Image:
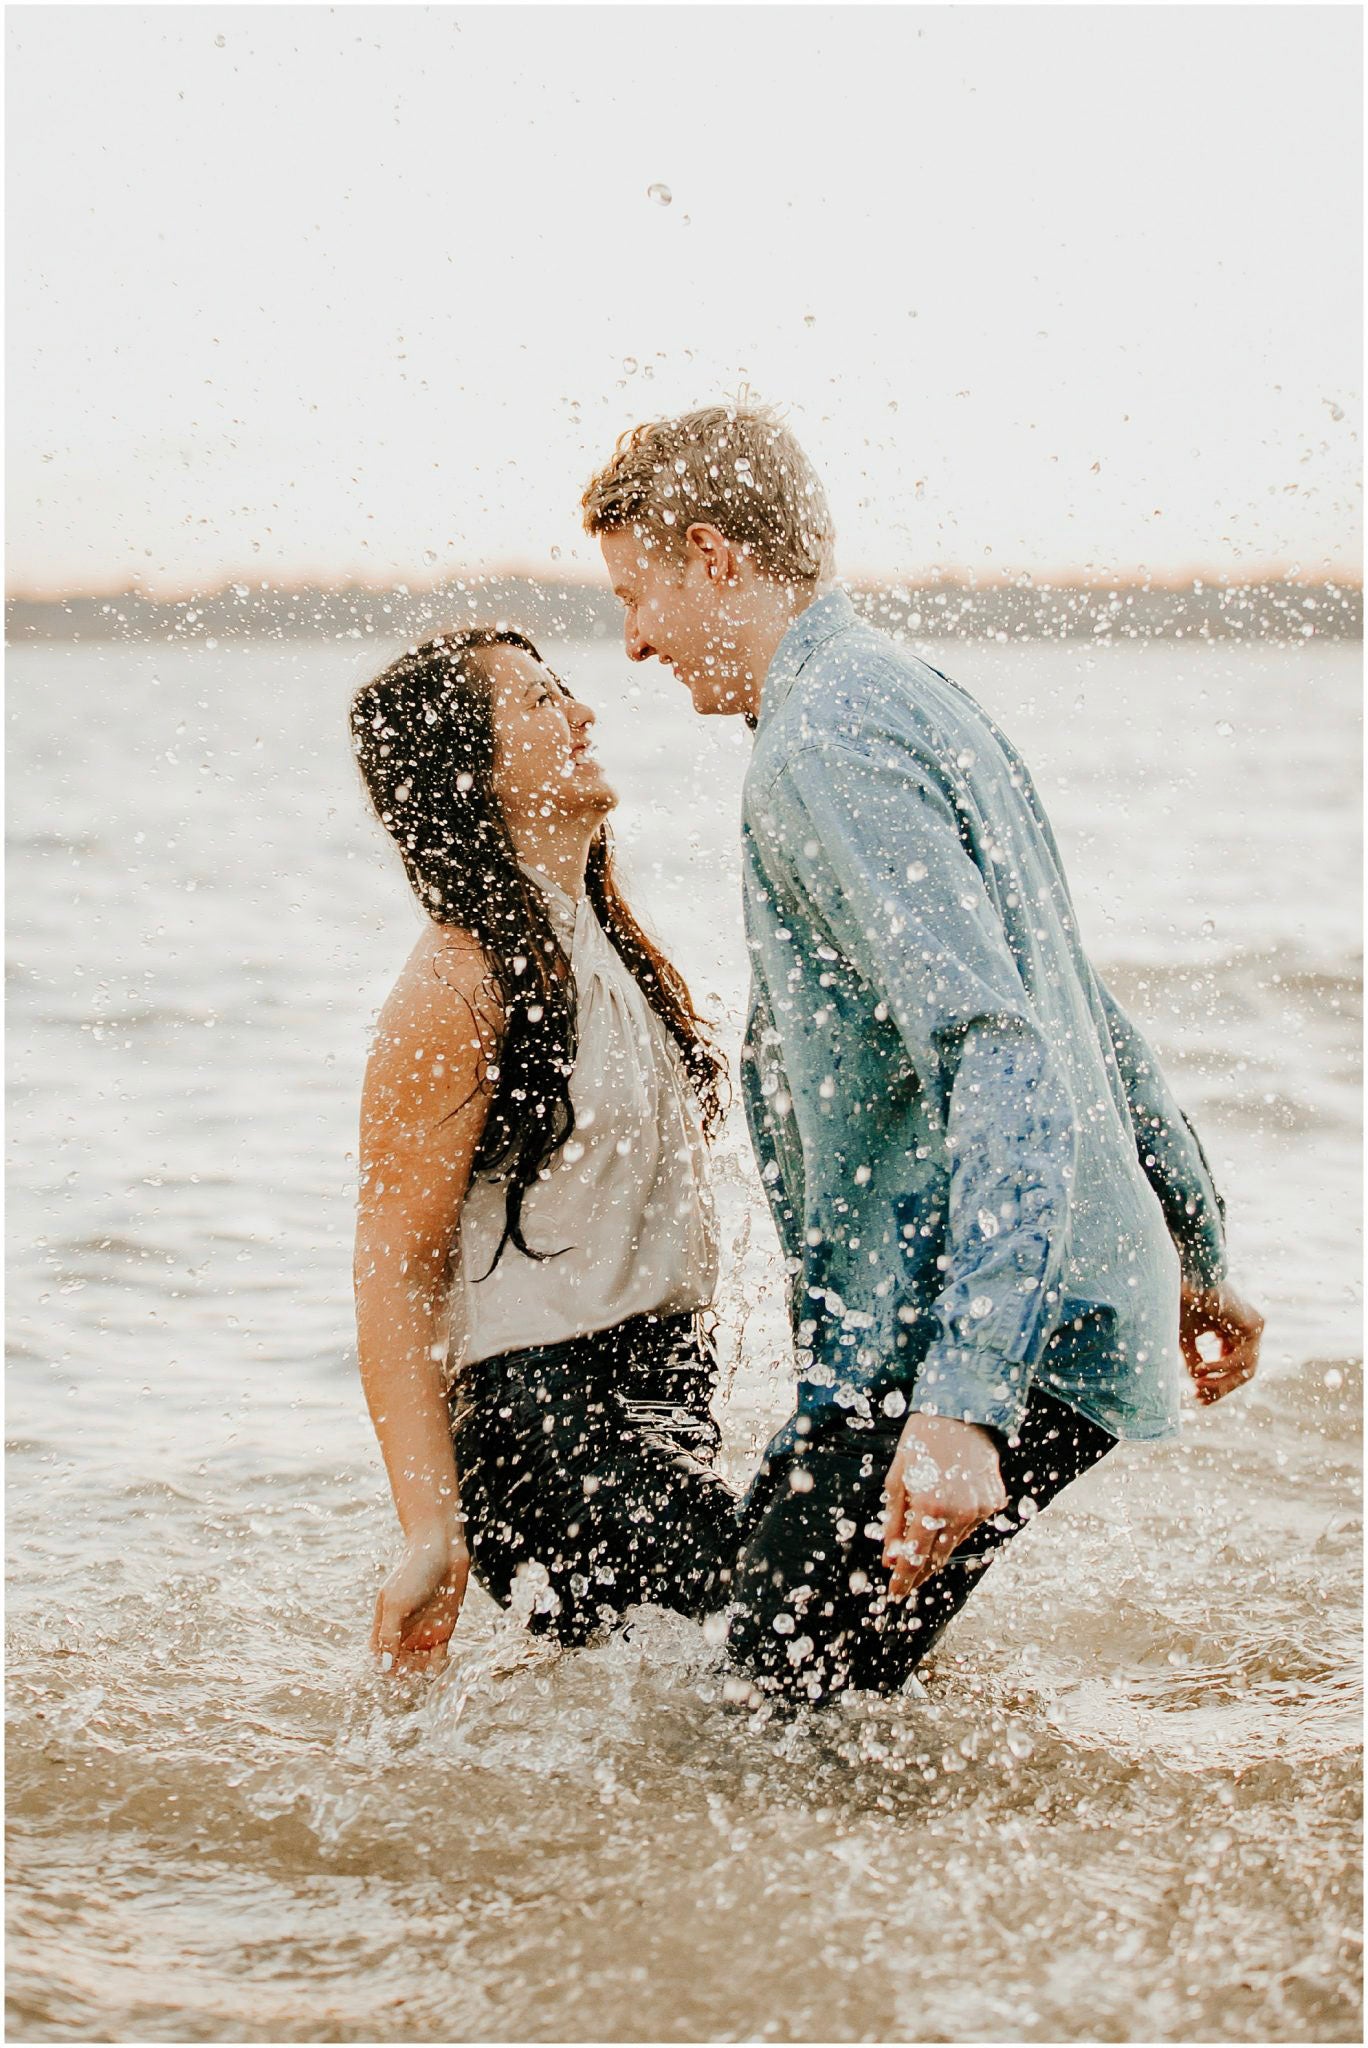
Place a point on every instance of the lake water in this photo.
(1124, 1805)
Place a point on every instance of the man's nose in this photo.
(637, 645)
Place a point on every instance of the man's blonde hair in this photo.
(735, 467)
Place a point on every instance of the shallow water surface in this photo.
(1123, 1804)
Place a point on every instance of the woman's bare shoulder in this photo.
(433, 1057)
(444, 991)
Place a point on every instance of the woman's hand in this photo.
(419, 1602)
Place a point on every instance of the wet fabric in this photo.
(967, 1147)
(587, 1467)
(811, 1618)
(587, 1479)
(626, 1204)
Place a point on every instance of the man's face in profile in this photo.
(677, 611)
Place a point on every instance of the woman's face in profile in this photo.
(544, 764)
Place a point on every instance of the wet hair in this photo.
(423, 734)
(735, 467)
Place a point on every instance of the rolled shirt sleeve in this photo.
(1170, 1152)
(872, 842)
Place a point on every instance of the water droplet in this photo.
(1208, 927)
(429, 556)
(1224, 728)
(981, 1306)
(220, 43)
(629, 364)
(661, 194)
(809, 319)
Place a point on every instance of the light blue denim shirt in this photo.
(978, 1174)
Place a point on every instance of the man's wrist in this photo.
(937, 1421)
(945, 1436)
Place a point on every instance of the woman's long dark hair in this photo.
(423, 734)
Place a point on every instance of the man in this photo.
(998, 1225)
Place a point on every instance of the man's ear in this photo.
(719, 557)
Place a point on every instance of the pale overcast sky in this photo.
(321, 291)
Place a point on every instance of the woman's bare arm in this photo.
(423, 1109)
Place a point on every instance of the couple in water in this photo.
(1000, 1233)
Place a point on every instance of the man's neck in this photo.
(776, 607)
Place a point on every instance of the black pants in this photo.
(811, 1618)
(593, 1460)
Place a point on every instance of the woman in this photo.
(534, 1209)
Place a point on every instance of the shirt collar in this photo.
(825, 617)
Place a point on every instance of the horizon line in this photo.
(1133, 577)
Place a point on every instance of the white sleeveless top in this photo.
(627, 1196)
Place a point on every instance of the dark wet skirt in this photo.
(593, 1460)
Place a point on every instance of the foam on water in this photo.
(1123, 1803)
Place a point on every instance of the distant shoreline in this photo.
(1126, 609)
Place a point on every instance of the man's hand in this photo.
(1219, 1312)
(944, 1480)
